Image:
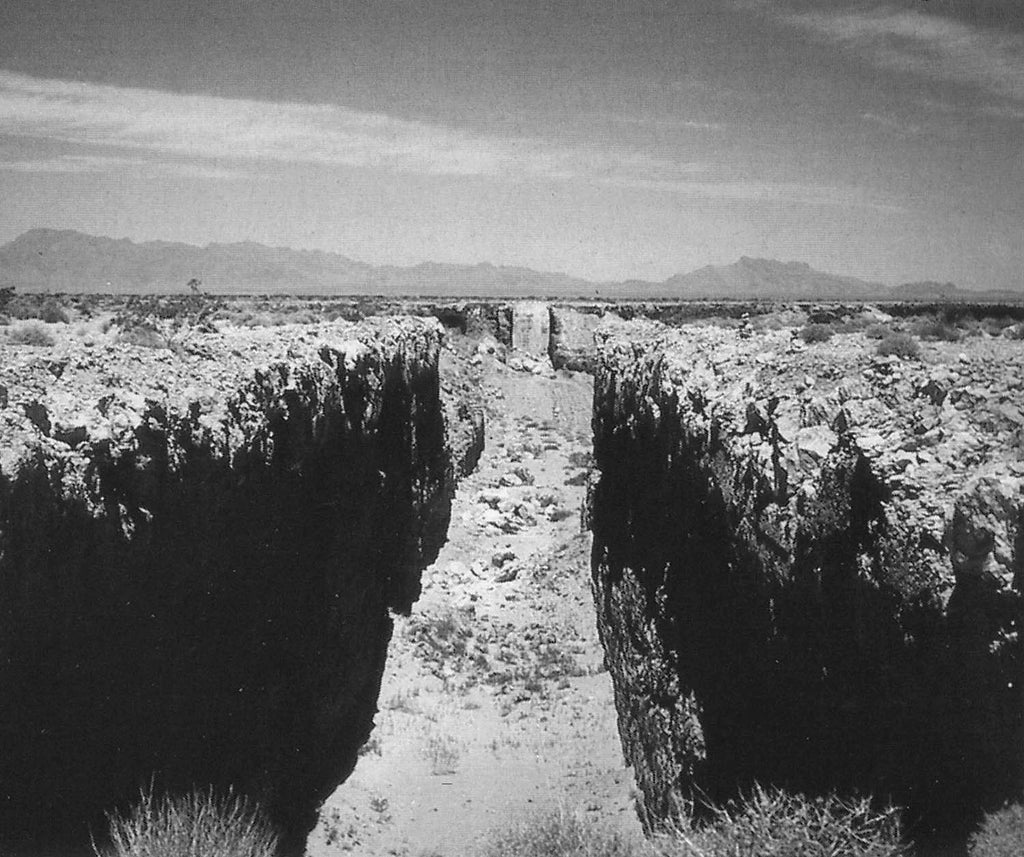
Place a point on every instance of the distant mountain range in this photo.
(54, 260)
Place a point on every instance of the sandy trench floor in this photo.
(494, 705)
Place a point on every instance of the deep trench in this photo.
(737, 663)
(256, 606)
(237, 639)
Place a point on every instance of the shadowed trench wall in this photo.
(797, 584)
(197, 564)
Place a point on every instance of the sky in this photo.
(607, 139)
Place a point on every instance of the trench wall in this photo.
(199, 551)
(807, 570)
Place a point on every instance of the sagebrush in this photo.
(198, 824)
(899, 344)
(31, 333)
(773, 823)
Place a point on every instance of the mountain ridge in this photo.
(66, 260)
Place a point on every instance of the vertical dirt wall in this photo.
(531, 327)
(807, 568)
(198, 555)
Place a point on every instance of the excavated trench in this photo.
(197, 564)
(808, 573)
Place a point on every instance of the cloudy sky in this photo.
(603, 138)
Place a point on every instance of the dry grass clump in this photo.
(1001, 834)
(765, 823)
(42, 307)
(559, 834)
(811, 333)
(200, 824)
(442, 636)
(443, 753)
(773, 823)
(878, 331)
(935, 329)
(142, 335)
(31, 333)
(900, 344)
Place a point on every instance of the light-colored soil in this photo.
(495, 704)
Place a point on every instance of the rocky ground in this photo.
(495, 704)
(813, 545)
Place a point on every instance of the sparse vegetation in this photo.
(996, 326)
(899, 344)
(31, 333)
(935, 329)
(442, 751)
(404, 702)
(441, 637)
(337, 830)
(371, 747)
(878, 331)
(1001, 834)
(578, 479)
(560, 834)
(581, 458)
(200, 824)
(43, 307)
(767, 823)
(773, 823)
(142, 335)
(154, 321)
(811, 333)
(53, 313)
(380, 804)
(561, 514)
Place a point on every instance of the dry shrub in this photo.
(811, 333)
(773, 823)
(559, 834)
(31, 333)
(877, 331)
(935, 329)
(143, 336)
(443, 753)
(900, 344)
(1001, 834)
(53, 313)
(200, 824)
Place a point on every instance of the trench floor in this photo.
(495, 705)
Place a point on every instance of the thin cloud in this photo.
(923, 43)
(769, 192)
(214, 137)
(211, 127)
(104, 164)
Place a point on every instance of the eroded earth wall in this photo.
(199, 549)
(807, 567)
(531, 328)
